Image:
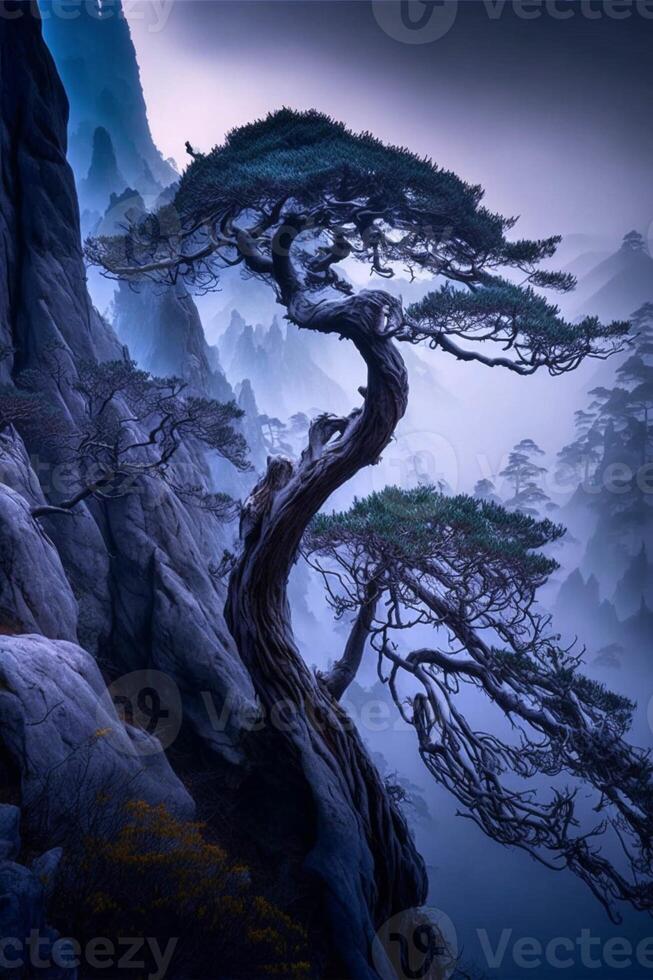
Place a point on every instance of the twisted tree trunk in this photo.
(362, 851)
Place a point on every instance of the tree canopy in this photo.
(133, 427)
(292, 196)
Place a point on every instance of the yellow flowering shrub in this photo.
(159, 876)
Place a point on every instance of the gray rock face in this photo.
(24, 894)
(9, 832)
(171, 611)
(62, 733)
(35, 596)
(47, 322)
(46, 869)
(191, 642)
(16, 469)
(165, 336)
(21, 900)
(85, 558)
(43, 299)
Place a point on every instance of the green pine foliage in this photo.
(414, 525)
(523, 315)
(307, 155)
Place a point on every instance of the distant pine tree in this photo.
(486, 490)
(634, 242)
(611, 456)
(525, 475)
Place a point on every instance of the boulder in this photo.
(79, 764)
(24, 929)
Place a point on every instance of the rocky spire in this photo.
(104, 177)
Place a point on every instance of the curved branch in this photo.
(344, 671)
(49, 510)
(446, 344)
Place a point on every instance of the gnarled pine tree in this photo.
(288, 199)
(470, 570)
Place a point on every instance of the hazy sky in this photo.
(551, 115)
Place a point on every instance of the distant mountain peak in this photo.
(620, 284)
(104, 177)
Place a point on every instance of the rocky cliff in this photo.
(164, 333)
(129, 578)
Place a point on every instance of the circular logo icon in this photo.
(415, 21)
(418, 944)
(417, 458)
(148, 700)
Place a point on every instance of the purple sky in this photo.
(552, 116)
